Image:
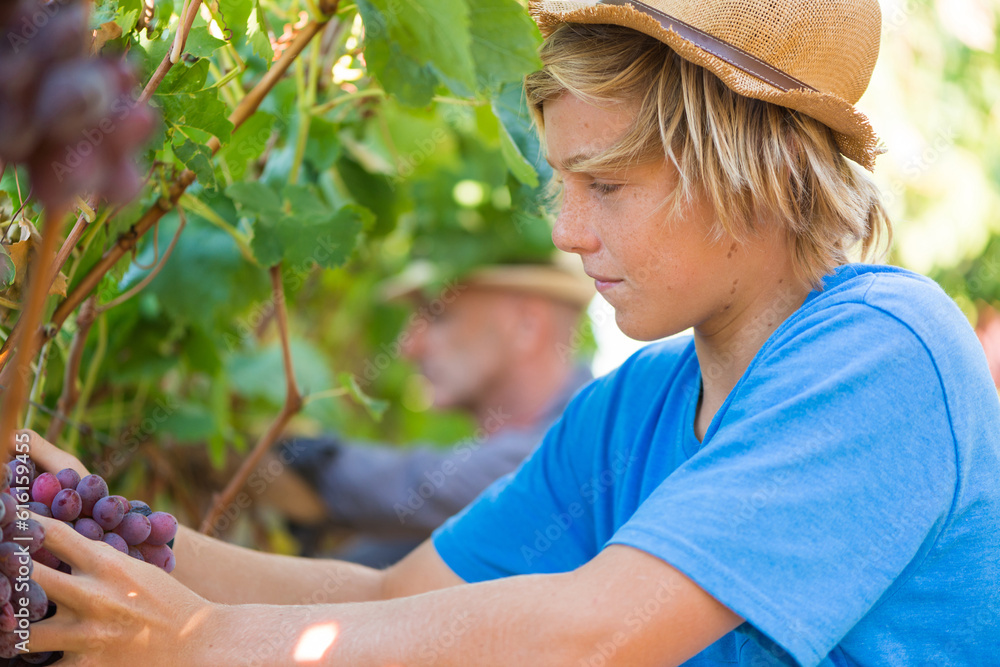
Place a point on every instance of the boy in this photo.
(809, 479)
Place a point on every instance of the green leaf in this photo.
(504, 42)
(127, 20)
(206, 282)
(201, 43)
(256, 197)
(516, 162)
(518, 142)
(235, 15)
(410, 82)
(257, 32)
(429, 32)
(185, 78)
(186, 102)
(298, 227)
(375, 407)
(260, 374)
(248, 142)
(323, 147)
(7, 270)
(197, 158)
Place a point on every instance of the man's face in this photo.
(661, 274)
(465, 349)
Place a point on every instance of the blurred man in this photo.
(498, 345)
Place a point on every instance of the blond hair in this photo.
(755, 161)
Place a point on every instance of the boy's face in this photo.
(661, 274)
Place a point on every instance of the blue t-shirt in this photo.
(844, 500)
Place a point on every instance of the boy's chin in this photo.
(637, 328)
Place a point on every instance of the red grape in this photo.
(9, 510)
(67, 505)
(15, 561)
(38, 601)
(109, 512)
(45, 487)
(68, 477)
(115, 540)
(91, 489)
(134, 528)
(40, 508)
(46, 558)
(163, 528)
(89, 529)
(7, 620)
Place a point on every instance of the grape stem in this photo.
(122, 298)
(183, 28)
(246, 108)
(293, 404)
(14, 396)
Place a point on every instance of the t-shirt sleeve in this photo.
(828, 476)
(531, 520)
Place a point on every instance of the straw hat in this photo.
(814, 56)
(559, 280)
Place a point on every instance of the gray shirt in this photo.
(408, 492)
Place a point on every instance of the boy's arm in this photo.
(625, 608)
(230, 574)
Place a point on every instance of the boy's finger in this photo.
(68, 545)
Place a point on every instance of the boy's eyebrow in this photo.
(571, 164)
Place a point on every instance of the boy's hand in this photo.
(49, 457)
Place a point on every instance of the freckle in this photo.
(781, 281)
(732, 249)
(733, 291)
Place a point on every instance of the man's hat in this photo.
(814, 56)
(561, 280)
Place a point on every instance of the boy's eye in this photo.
(606, 188)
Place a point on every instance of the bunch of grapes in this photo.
(84, 503)
(70, 118)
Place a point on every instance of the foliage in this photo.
(398, 132)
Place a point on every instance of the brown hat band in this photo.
(733, 55)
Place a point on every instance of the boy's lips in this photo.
(603, 283)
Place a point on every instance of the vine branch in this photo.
(70, 394)
(14, 395)
(293, 404)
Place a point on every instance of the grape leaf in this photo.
(186, 102)
(196, 157)
(260, 374)
(518, 143)
(248, 142)
(323, 148)
(427, 32)
(201, 43)
(504, 42)
(235, 15)
(206, 281)
(257, 32)
(298, 227)
(400, 75)
(257, 198)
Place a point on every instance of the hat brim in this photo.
(568, 286)
(852, 130)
